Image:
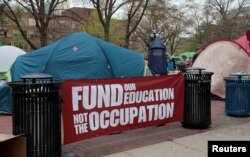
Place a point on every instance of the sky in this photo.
(75, 3)
(118, 14)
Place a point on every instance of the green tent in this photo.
(186, 55)
(2, 75)
(168, 55)
(2, 43)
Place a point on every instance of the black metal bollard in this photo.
(197, 101)
(37, 114)
(237, 100)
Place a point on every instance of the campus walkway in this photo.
(189, 146)
(169, 140)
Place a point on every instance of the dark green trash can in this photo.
(197, 101)
(37, 114)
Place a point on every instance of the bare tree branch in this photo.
(132, 20)
(42, 12)
(106, 10)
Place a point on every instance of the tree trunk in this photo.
(44, 37)
(106, 34)
(127, 41)
(106, 30)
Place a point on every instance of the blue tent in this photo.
(80, 56)
(5, 98)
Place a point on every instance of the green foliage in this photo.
(94, 27)
(117, 32)
(2, 75)
(189, 45)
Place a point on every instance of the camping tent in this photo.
(80, 56)
(5, 97)
(222, 58)
(8, 55)
(187, 55)
(2, 43)
(244, 41)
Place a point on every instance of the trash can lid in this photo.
(36, 75)
(195, 68)
(239, 74)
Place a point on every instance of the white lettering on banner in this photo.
(156, 112)
(116, 94)
(76, 97)
(94, 120)
(103, 97)
(142, 115)
(80, 118)
(124, 116)
(145, 96)
(80, 123)
(129, 87)
(148, 95)
(114, 119)
(133, 113)
(109, 95)
(89, 97)
(104, 123)
(81, 128)
(150, 112)
(99, 96)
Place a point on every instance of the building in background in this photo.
(66, 22)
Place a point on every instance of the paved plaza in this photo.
(168, 140)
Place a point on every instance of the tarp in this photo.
(8, 55)
(222, 58)
(80, 56)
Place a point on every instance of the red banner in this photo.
(97, 107)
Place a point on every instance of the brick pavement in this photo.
(110, 144)
(5, 124)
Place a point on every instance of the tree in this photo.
(227, 15)
(94, 27)
(168, 20)
(42, 12)
(154, 16)
(136, 10)
(106, 10)
(203, 27)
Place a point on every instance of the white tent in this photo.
(222, 58)
(8, 55)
